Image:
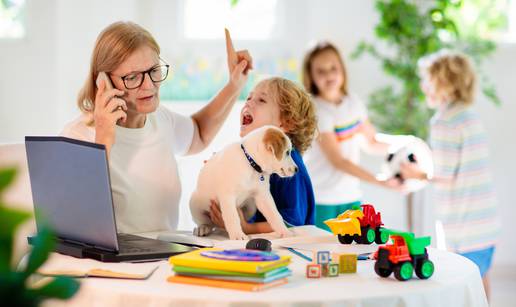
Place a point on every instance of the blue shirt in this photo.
(294, 196)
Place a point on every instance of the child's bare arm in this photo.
(248, 228)
(330, 147)
(258, 227)
(373, 145)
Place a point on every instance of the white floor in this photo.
(503, 286)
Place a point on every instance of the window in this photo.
(199, 74)
(510, 34)
(247, 19)
(11, 18)
(488, 19)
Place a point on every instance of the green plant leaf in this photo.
(60, 287)
(43, 244)
(10, 219)
(6, 177)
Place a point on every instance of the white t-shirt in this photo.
(332, 186)
(143, 169)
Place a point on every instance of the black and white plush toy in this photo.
(408, 150)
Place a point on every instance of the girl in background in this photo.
(344, 130)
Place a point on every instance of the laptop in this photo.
(71, 192)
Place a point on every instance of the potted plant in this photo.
(15, 288)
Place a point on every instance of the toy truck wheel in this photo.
(368, 235)
(424, 269)
(382, 272)
(403, 271)
(345, 239)
(381, 236)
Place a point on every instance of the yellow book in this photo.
(195, 260)
(236, 285)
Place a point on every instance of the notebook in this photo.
(261, 280)
(185, 269)
(62, 265)
(236, 285)
(194, 259)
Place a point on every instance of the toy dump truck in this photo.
(360, 224)
(406, 254)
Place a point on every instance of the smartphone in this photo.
(103, 76)
(109, 86)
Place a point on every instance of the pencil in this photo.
(299, 254)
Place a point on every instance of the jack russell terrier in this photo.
(238, 177)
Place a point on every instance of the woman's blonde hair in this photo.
(113, 46)
(452, 74)
(297, 111)
(308, 80)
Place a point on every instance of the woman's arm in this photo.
(208, 120)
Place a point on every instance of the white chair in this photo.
(18, 195)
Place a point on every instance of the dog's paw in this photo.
(202, 230)
(283, 233)
(238, 236)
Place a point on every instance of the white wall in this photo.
(42, 74)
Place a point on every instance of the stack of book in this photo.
(196, 268)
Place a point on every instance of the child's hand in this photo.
(239, 63)
(394, 184)
(412, 171)
(216, 216)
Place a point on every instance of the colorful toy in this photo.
(347, 262)
(405, 254)
(313, 270)
(325, 269)
(333, 270)
(360, 224)
(322, 257)
(408, 149)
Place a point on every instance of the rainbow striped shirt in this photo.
(346, 131)
(466, 205)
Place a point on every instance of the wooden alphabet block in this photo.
(313, 270)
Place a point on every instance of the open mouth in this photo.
(247, 119)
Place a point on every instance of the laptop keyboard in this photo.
(135, 244)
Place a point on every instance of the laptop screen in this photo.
(71, 189)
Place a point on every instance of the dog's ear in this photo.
(276, 142)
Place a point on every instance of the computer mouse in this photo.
(259, 244)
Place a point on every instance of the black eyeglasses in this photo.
(156, 74)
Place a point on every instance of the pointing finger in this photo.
(232, 56)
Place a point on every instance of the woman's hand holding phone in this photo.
(109, 109)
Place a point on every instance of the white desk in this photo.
(456, 282)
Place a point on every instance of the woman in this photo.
(141, 137)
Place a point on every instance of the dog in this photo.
(238, 177)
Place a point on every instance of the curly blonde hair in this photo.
(297, 111)
(453, 75)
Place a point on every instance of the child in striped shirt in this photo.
(464, 195)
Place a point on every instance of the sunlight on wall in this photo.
(250, 20)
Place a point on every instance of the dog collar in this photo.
(253, 163)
